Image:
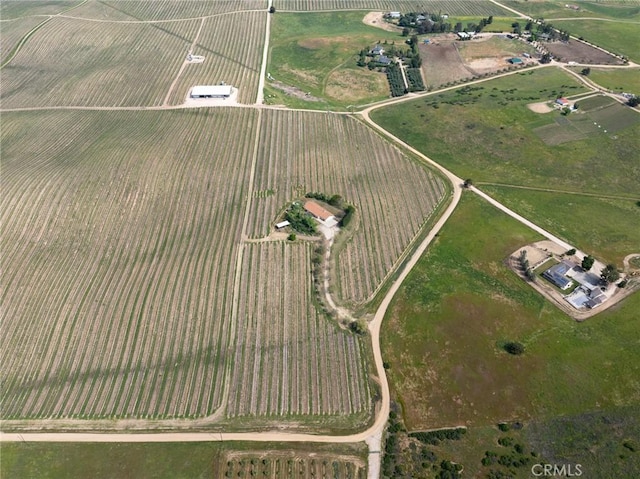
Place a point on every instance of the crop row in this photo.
(13, 31)
(335, 154)
(72, 62)
(176, 9)
(450, 7)
(232, 46)
(291, 466)
(120, 232)
(288, 360)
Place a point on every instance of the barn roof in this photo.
(211, 90)
(316, 210)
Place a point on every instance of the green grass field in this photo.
(444, 331)
(154, 460)
(486, 132)
(557, 9)
(607, 228)
(317, 53)
(627, 80)
(617, 37)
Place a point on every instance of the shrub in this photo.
(503, 426)
(292, 237)
(359, 327)
(513, 347)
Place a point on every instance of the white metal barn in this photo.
(211, 91)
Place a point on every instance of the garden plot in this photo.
(71, 62)
(334, 154)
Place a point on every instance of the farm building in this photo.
(557, 275)
(377, 50)
(394, 14)
(466, 35)
(211, 91)
(562, 102)
(384, 60)
(317, 211)
(515, 61)
(282, 224)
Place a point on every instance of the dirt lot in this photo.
(441, 63)
(374, 19)
(575, 51)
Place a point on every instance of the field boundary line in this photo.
(265, 57)
(550, 190)
(138, 22)
(184, 64)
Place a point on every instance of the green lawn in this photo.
(317, 53)
(444, 331)
(486, 132)
(607, 228)
(617, 37)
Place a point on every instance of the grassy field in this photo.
(317, 53)
(602, 442)
(16, 8)
(549, 10)
(486, 132)
(627, 80)
(620, 37)
(177, 460)
(607, 228)
(444, 331)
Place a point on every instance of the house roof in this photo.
(515, 60)
(211, 90)
(556, 274)
(384, 60)
(562, 101)
(318, 211)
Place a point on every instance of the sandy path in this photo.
(265, 56)
(376, 19)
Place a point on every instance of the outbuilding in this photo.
(317, 211)
(282, 224)
(515, 61)
(211, 91)
(562, 101)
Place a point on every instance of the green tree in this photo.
(570, 252)
(546, 58)
(634, 101)
(513, 347)
(468, 183)
(405, 32)
(587, 262)
(272, 9)
(610, 274)
(585, 71)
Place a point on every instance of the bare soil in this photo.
(441, 63)
(541, 107)
(576, 51)
(375, 19)
(293, 91)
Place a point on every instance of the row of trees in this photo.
(609, 274)
(474, 27)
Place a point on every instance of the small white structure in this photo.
(282, 224)
(394, 14)
(211, 91)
